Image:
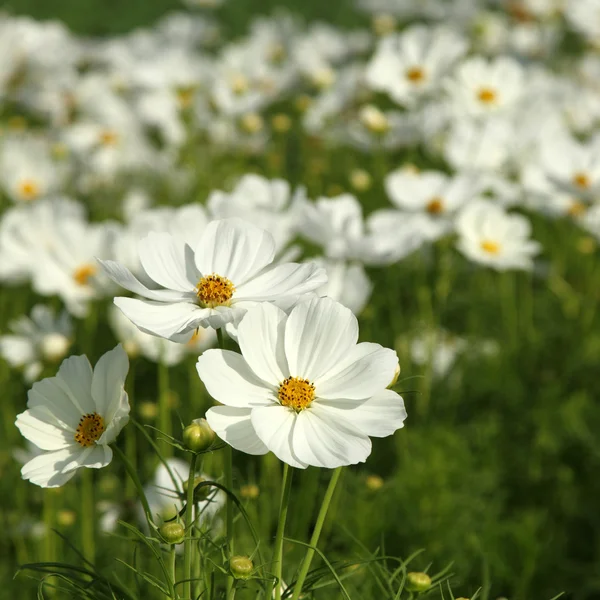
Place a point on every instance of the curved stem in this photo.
(136, 481)
(314, 540)
(164, 408)
(277, 563)
(88, 521)
(189, 526)
(229, 486)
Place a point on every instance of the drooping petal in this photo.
(98, 456)
(275, 426)
(261, 339)
(234, 249)
(168, 261)
(319, 333)
(108, 381)
(43, 434)
(162, 320)
(378, 416)
(325, 440)
(229, 380)
(233, 425)
(366, 369)
(285, 280)
(47, 470)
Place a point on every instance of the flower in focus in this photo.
(35, 340)
(302, 387)
(74, 416)
(213, 284)
(490, 236)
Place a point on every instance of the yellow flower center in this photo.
(108, 137)
(582, 180)
(415, 74)
(487, 95)
(435, 206)
(490, 247)
(296, 393)
(29, 189)
(185, 96)
(214, 290)
(82, 274)
(576, 209)
(89, 430)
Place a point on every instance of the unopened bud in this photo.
(417, 582)
(360, 180)
(241, 567)
(281, 123)
(302, 102)
(374, 482)
(323, 78)
(172, 533)
(250, 491)
(66, 517)
(198, 436)
(148, 410)
(374, 119)
(54, 346)
(199, 493)
(251, 123)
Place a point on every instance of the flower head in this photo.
(74, 416)
(302, 387)
(213, 284)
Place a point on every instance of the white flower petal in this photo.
(325, 440)
(318, 335)
(233, 425)
(98, 456)
(234, 249)
(123, 277)
(261, 339)
(49, 402)
(378, 416)
(168, 261)
(275, 425)
(229, 380)
(289, 279)
(75, 378)
(47, 470)
(163, 320)
(17, 350)
(108, 381)
(46, 436)
(367, 369)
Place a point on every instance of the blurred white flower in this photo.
(490, 236)
(74, 417)
(213, 284)
(302, 387)
(39, 339)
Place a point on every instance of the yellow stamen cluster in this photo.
(582, 180)
(435, 206)
(487, 95)
(108, 137)
(490, 247)
(296, 393)
(577, 209)
(28, 189)
(415, 74)
(214, 290)
(90, 429)
(84, 273)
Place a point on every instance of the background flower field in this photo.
(495, 473)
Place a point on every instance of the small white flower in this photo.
(74, 416)
(41, 338)
(213, 284)
(490, 236)
(302, 387)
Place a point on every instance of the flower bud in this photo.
(172, 533)
(374, 119)
(360, 180)
(417, 582)
(281, 122)
(250, 491)
(54, 346)
(66, 517)
(198, 436)
(241, 567)
(199, 493)
(251, 123)
(374, 482)
(148, 410)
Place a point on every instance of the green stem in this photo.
(189, 526)
(88, 517)
(136, 481)
(277, 563)
(130, 436)
(314, 540)
(231, 592)
(164, 408)
(173, 569)
(229, 507)
(49, 512)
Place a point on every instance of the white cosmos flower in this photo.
(490, 236)
(302, 387)
(74, 416)
(214, 283)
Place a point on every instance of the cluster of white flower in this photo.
(472, 89)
